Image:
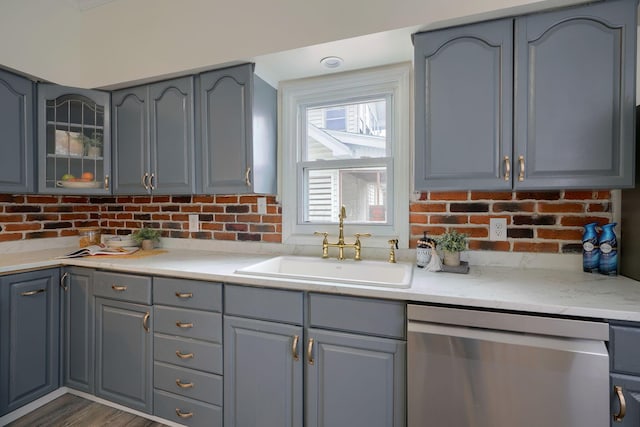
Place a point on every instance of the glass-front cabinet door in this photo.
(74, 140)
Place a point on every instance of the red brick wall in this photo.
(548, 221)
(536, 221)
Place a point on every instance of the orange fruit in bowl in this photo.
(87, 176)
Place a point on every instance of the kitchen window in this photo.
(346, 142)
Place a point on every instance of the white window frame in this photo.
(294, 96)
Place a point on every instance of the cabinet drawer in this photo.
(363, 315)
(187, 293)
(123, 287)
(189, 353)
(188, 383)
(194, 413)
(625, 344)
(188, 323)
(264, 304)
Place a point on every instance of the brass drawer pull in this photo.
(507, 168)
(30, 293)
(184, 325)
(623, 404)
(184, 294)
(183, 414)
(106, 182)
(294, 348)
(145, 322)
(180, 384)
(310, 352)
(521, 161)
(118, 288)
(182, 355)
(63, 279)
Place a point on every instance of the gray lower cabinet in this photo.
(29, 337)
(17, 163)
(237, 121)
(124, 353)
(153, 134)
(187, 367)
(263, 373)
(571, 75)
(354, 380)
(77, 329)
(624, 356)
(354, 375)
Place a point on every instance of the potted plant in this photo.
(147, 237)
(92, 145)
(452, 243)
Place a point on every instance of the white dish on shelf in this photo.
(78, 184)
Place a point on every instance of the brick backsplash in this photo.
(548, 221)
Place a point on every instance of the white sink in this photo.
(368, 273)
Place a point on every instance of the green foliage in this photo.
(452, 241)
(146, 234)
(95, 140)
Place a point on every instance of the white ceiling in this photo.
(118, 43)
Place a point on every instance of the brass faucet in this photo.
(392, 253)
(340, 244)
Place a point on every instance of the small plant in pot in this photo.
(452, 243)
(92, 145)
(147, 237)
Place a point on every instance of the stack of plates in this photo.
(121, 242)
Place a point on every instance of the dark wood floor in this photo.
(70, 410)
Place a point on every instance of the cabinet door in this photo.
(463, 94)
(77, 328)
(355, 380)
(74, 140)
(226, 111)
(262, 373)
(29, 328)
(575, 97)
(630, 389)
(124, 353)
(130, 141)
(17, 140)
(171, 137)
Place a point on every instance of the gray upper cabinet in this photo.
(570, 91)
(463, 95)
(124, 353)
(130, 147)
(238, 132)
(17, 163)
(575, 97)
(153, 129)
(74, 140)
(29, 337)
(78, 329)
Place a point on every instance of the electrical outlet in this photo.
(497, 229)
(262, 205)
(194, 223)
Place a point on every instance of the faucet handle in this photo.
(320, 233)
(359, 235)
(392, 254)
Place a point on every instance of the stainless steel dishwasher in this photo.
(471, 368)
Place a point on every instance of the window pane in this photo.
(347, 131)
(363, 191)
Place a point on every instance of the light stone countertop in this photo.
(546, 291)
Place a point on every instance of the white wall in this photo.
(133, 40)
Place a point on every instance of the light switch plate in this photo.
(497, 229)
(262, 205)
(194, 223)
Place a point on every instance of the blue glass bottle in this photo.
(590, 249)
(608, 250)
